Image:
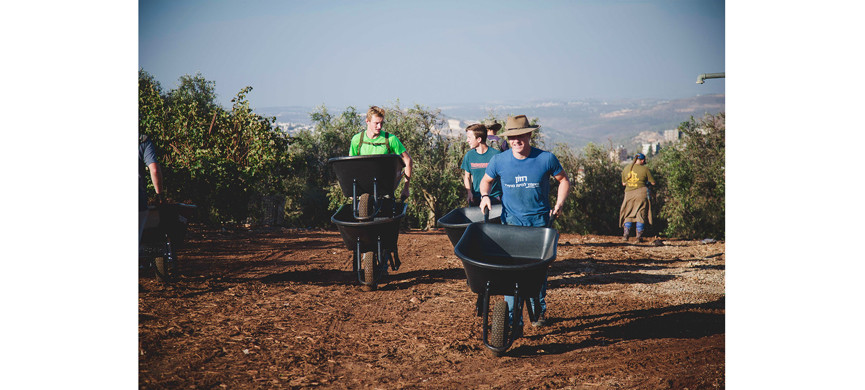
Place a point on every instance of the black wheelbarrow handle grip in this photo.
(552, 219)
(486, 214)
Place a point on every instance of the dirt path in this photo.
(280, 308)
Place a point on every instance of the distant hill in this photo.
(575, 122)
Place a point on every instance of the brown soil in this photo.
(280, 308)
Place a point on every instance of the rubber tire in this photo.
(364, 205)
(367, 262)
(163, 271)
(499, 325)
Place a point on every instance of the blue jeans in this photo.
(640, 226)
(542, 295)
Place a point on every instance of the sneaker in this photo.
(542, 321)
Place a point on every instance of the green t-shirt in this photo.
(375, 145)
(636, 177)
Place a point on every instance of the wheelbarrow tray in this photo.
(364, 171)
(456, 221)
(506, 256)
(171, 219)
(352, 229)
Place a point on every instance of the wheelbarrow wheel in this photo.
(367, 262)
(499, 325)
(364, 205)
(163, 269)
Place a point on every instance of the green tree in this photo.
(691, 180)
(596, 190)
(314, 194)
(211, 157)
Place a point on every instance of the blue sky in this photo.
(341, 53)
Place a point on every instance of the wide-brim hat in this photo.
(517, 125)
(493, 125)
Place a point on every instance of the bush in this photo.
(211, 157)
(596, 191)
(691, 180)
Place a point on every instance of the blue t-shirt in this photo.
(476, 164)
(525, 186)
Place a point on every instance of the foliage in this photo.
(596, 191)
(691, 180)
(211, 157)
(314, 194)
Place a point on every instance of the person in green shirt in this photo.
(374, 141)
(636, 207)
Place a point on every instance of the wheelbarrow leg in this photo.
(358, 265)
(382, 260)
(517, 313)
(394, 261)
(484, 312)
(534, 308)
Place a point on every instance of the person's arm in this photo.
(467, 184)
(156, 178)
(406, 159)
(486, 185)
(564, 188)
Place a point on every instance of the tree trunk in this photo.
(430, 203)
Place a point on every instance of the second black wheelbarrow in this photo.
(456, 221)
(506, 260)
(373, 243)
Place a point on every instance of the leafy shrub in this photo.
(691, 180)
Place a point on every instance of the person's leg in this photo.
(511, 302)
(640, 227)
(626, 230)
(542, 297)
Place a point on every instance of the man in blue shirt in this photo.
(524, 173)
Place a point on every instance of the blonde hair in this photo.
(374, 111)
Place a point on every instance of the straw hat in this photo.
(517, 125)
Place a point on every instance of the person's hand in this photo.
(485, 202)
(556, 211)
(160, 199)
(470, 198)
(404, 195)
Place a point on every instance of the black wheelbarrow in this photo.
(163, 236)
(367, 180)
(456, 221)
(506, 260)
(370, 225)
(373, 243)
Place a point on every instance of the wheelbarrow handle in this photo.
(552, 219)
(486, 214)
